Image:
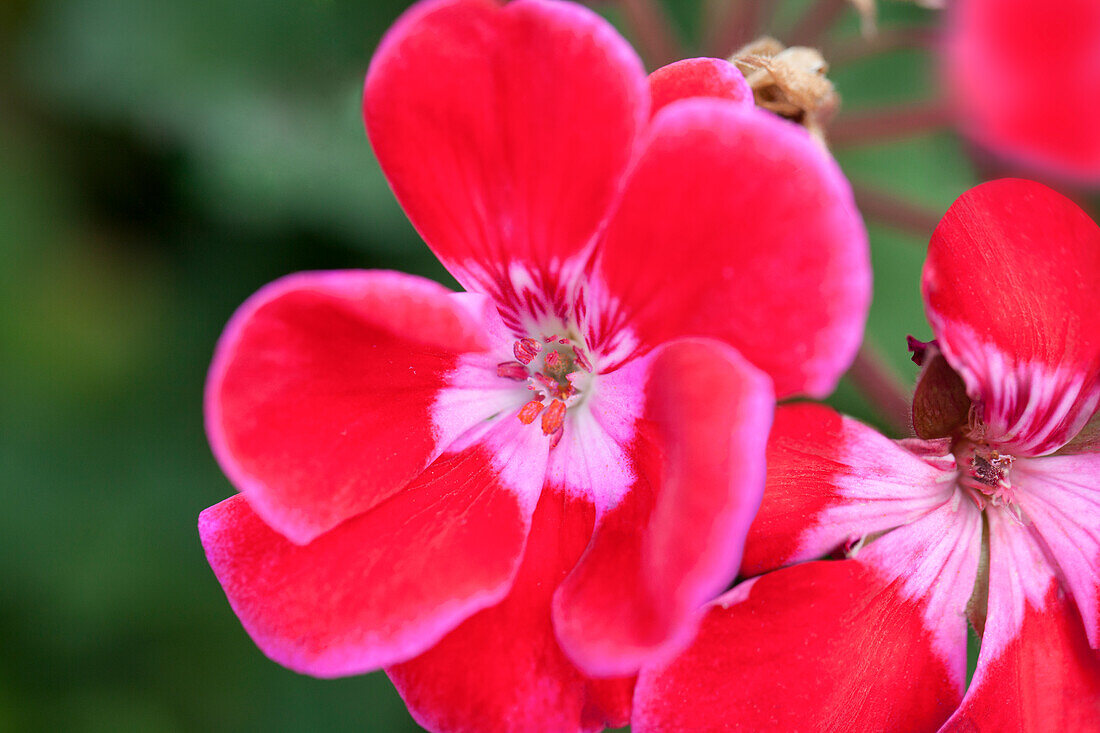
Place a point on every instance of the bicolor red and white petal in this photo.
(877, 641)
(512, 498)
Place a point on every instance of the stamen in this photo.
(553, 383)
(530, 411)
(555, 437)
(581, 360)
(526, 349)
(553, 418)
(512, 370)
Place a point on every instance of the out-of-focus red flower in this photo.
(1024, 77)
(512, 497)
(877, 641)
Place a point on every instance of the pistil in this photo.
(985, 471)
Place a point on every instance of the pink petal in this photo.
(388, 584)
(502, 669)
(319, 402)
(736, 225)
(1035, 671)
(1021, 74)
(1060, 495)
(674, 541)
(1010, 288)
(701, 77)
(505, 130)
(845, 645)
(832, 481)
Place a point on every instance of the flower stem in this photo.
(730, 24)
(815, 23)
(895, 212)
(885, 124)
(883, 387)
(652, 31)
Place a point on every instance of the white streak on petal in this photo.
(591, 460)
(474, 394)
(880, 485)
(936, 561)
(1060, 496)
(1028, 408)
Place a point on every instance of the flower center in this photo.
(556, 369)
(984, 473)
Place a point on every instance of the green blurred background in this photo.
(159, 161)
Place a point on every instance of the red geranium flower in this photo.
(1024, 76)
(878, 641)
(502, 494)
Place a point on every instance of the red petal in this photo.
(386, 585)
(736, 225)
(877, 643)
(504, 130)
(1022, 75)
(674, 541)
(702, 77)
(1035, 671)
(1010, 287)
(502, 669)
(831, 481)
(319, 400)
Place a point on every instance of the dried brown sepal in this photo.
(790, 82)
(940, 403)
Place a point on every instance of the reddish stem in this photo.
(895, 212)
(729, 25)
(883, 387)
(885, 124)
(815, 23)
(652, 30)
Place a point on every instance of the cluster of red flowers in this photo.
(524, 500)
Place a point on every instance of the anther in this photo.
(553, 359)
(553, 418)
(530, 411)
(526, 349)
(512, 370)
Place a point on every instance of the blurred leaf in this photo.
(263, 97)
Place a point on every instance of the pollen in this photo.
(526, 349)
(530, 411)
(553, 418)
(512, 370)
